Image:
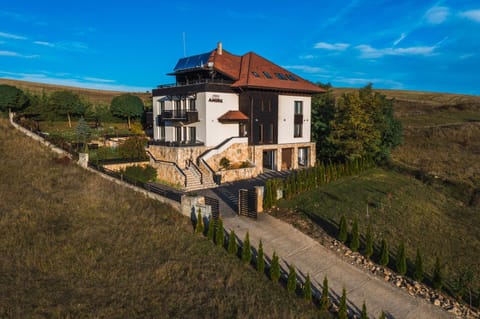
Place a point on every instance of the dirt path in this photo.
(309, 256)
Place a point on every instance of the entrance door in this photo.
(269, 159)
(287, 155)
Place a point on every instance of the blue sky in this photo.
(414, 45)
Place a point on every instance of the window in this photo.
(192, 134)
(298, 107)
(280, 76)
(184, 129)
(297, 130)
(260, 133)
(303, 155)
(291, 77)
(255, 74)
(270, 133)
(267, 75)
(242, 129)
(162, 132)
(162, 106)
(191, 104)
(178, 134)
(178, 105)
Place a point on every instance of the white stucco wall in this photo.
(286, 112)
(215, 131)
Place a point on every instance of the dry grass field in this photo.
(74, 245)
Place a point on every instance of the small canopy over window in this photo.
(233, 116)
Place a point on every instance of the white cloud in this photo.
(44, 43)
(91, 79)
(12, 36)
(72, 46)
(305, 68)
(437, 15)
(307, 57)
(18, 55)
(74, 81)
(400, 39)
(332, 46)
(368, 51)
(384, 83)
(473, 15)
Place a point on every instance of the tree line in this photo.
(65, 104)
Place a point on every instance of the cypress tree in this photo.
(199, 227)
(292, 279)
(260, 260)
(211, 229)
(324, 299)
(384, 253)
(355, 240)
(246, 250)
(342, 308)
(232, 244)
(307, 289)
(418, 270)
(364, 314)
(382, 316)
(219, 233)
(437, 276)
(342, 231)
(401, 262)
(369, 242)
(275, 268)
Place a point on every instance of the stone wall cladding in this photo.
(167, 172)
(257, 151)
(231, 175)
(179, 155)
(121, 166)
(236, 153)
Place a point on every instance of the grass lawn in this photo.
(399, 208)
(76, 245)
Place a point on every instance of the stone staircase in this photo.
(193, 180)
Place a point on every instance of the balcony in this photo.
(187, 116)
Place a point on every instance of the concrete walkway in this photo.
(309, 256)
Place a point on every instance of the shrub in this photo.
(140, 173)
(232, 244)
(307, 289)
(292, 279)
(369, 243)
(342, 230)
(246, 250)
(437, 277)
(260, 260)
(225, 162)
(418, 267)
(382, 316)
(211, 229)
(384, 258)
(363, 314)
(355, 237)
(324, 299)
(401, 262)
(133, 148)
(199, 226)
(342, 308)
(219, 234)
(275, 268)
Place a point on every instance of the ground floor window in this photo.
(269, 159)
(303, 156)
(192, 134)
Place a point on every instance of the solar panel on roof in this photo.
(192, 62)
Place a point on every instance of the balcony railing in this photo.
(176, 143)
(190, 116)
(193, 82)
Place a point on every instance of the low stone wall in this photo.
(122, 166)
(231, 175)
(179, 155)
(236, 153)
(167, 172)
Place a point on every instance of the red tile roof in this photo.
(233, 116)
(248, 72)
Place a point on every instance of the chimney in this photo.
(219, 48)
